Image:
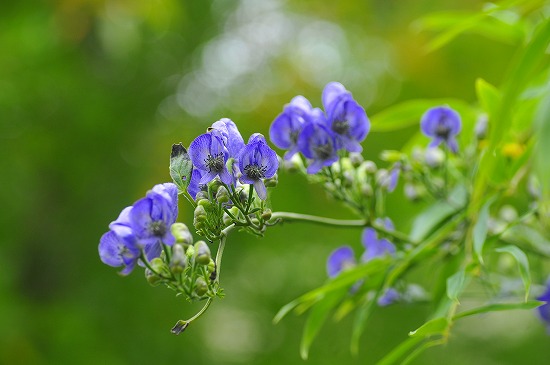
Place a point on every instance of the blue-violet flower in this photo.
(317, 142)
(375, 247)
(340, 259)
(345, 117)
(209, 155)
(257, 161)
(544, 310)
(230, 135)
(442, 124)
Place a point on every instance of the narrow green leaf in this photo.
(420, 349)
(399, 351)
(363, 314)
(432, 217)
(480, 229)
(526, 236)
(436, 326)
(181, 166)
(316, 319)
(499, 307)
(455, 285)
(523, 264)
(343, 280)
(488, 96)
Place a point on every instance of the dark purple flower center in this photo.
(255, 172)
(214, 162)
(294, 136)
(158, 228)
(340, 126)
(442, 129)
(323, 152)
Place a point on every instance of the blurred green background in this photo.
(92, 95)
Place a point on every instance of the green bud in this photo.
(207, 204)
(158, 265)
(356, 159)
(369, 167)
(347, 181)
(215, 184)
(434, 157)
(201, 195)
(202, 253)
(200, 214)
(390, 156)
(508, 213)
(181, 233)
(227, 220)
(179, 261)
(190, 252)
(151, 278)
(211, 266)
(201, 287)
(222, 195)
(272, 181)
(366, 189)
(295, 164)
(266, 214)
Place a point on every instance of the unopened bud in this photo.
(272, 181)
(411, 192)
(200, 214)
(207, 204)
(508, 213)
(295, 164)
(533, 187)
(390, 156)
(434, 157)
(211, 266)
(152, 278)
(347, 181)
(181, 233)
(482, 126)
(222, 195)
(201, 195)
(356, 159)
(266, 214)
(369, 167)
(202, 253)
(178, 261)
(366, 189)
(215, 184)
(190, 251)
(201, 287)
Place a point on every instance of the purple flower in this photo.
(544, 310)
(442, 124)
(257, 161)
(194, 186)
(375, 247)
(286, 128)
(347, 119)
(317, 143)
(340, 259)
(209, 155)
(390, 296)
(118, 247)
(227, 130)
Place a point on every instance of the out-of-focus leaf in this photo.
(400, 351)
(488, 96)
(436, 326)
(427, 221)
(423, 347)
(526, 236)
(523, 264)
(455, 285)
(316, 319)
(499, 307)
(542, 123)
(343, 280)
(181, 166)
(408, 113)
(363, 314)
(480, 229)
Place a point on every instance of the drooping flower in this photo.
(544, 310)
(442, 124)
(194, 186)
(118, 247)
(317, 143)
(209, 155)
(375, 247)
(230, 135)
(257, 161)
(340, 259)
(345, 117)
(286, 128)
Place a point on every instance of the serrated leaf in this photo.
(316, 319)
(523, 264)
(532, 304)
(181, 166)
(480, 229)
(456, 284)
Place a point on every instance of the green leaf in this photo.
(343, 280)
(480, 229)
(455, 285)
(499, 307)
(488, 96)
(436, 326)
(317, 318)
(526, 236)
(408, 113)
(428, 220)
(360, 323)
(523, 264)
(181, 166)
(400, 351)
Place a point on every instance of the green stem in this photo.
(297, 217)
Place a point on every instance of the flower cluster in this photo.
(320, 135)
(140, 230)
(221, 153)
